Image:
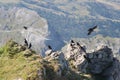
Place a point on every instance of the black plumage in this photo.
(72, 41)
(26, 42)
(90, 30)
(49, 47)
(71, 45)
(25, 27)
(30, 45)
(88, 59)
(81, 47)
(78, 44)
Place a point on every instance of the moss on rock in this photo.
(19, 63)
(15, 65)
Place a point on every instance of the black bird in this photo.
(49, 47)
(88, 59)
(25, 27)
(81, 47)
(90, 30)
(26, 42)
(30, 45)
(72, 41)
(78, 44)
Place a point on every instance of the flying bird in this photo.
(30, 45)
(90, 30)
(25, 27)
(26, 42)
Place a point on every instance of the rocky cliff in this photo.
(18, 62)
(66, 19)
(100, 64)
(12, 21)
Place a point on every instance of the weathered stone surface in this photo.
(48, 52)
(104, 64)
(75, 55)
(100, 63)
(57, 57)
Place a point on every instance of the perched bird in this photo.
(71, 41)
(49, 47)
(90, 30)
(26, 42)
(88, 59)
(78, 44)
(81, 47)
(25, 27)
(30, 45)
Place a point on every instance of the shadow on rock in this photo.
(103, 66)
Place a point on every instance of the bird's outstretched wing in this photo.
(95, 27)
(89, 32)
(90, 29)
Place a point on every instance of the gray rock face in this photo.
(59, 58)
(101, 60)
(73, 51)
(95, 43)
(12, 21)
(100, 63)
(48, 52)
(75, 54)
(104, 64)
(64, 14)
